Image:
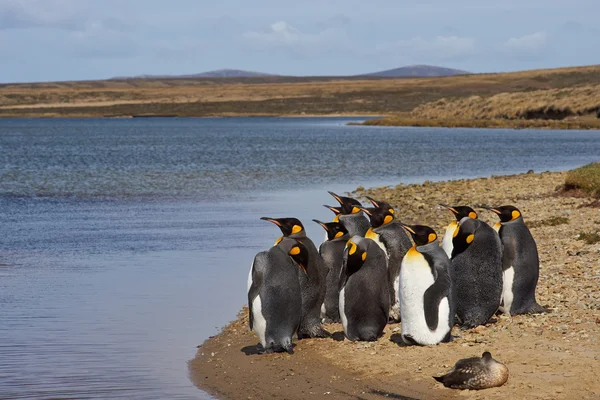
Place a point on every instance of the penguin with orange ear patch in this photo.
(459, 212)
(274, 297)
(312, 284)
(364, 299)
(391, 237)
(351, 215)
(427, 301)
(332, 252)
(476, 272)
(520, 263)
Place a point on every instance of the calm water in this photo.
(125, 243)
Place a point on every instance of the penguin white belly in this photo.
(323, 311)
(507, 292)
(250, 277)
(375, 238)
(415, 279)
(343, 310)
(260, 323)
(447, 240)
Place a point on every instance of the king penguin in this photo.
(392, 238)
(427, 302)
(520, 263)
(332, 252)
(476, 272)
(312, 284)
(364, 300)
(351, 215)
(274, 297)
(459, 212)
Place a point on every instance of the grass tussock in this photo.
(589, 237)
(586, 178)
(552, 104)
(552, 221)
(485, 123)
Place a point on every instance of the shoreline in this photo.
(562, 347)
(376, 120)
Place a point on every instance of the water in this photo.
(126, 243)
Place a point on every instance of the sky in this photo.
(51, 40)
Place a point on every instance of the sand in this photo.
(550, 356)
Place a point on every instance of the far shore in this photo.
(549, 356)
(560, 98)
(373, 120)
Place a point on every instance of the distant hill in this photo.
(219, 73)
(417, 70)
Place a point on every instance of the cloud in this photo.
(528, 46)
(436, 48)
(24, 14)
(100, 40)
(283, 35)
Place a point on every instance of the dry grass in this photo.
(271, 95)
(554, 104)
(586, 178)
(408, 120)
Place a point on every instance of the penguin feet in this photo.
(409, 340)
(394, 315)
(315, 331)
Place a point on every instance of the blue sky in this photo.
(45, 40)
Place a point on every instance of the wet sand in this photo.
(550, 356)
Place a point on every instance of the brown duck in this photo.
(475, 373)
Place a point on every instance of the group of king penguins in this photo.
(368, 273)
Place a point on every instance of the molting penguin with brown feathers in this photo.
(520, 263)
(351, 215)
(332, 252)
(312, 284)
(459, 212)
(391, 237)
(475, 373)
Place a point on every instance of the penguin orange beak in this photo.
(334, 209)
(373, 201)
(492, 210)
(335, 196)
(449, 208)
(408, 228)
(321, 223)
(273, 220)
(366, 211)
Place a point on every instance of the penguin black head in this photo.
(288, 226)
(461, 211)
(380, 215)
(356, 252)
(487, 356)
(421, 234)
(296, 250)
(464, 235)
(348, 204)
(335, 230)
(506, 213)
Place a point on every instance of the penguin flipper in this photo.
(432, 298)
(257, 279)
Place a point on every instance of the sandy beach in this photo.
(550, 356)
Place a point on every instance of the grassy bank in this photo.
(409, 120)
(274, 96)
